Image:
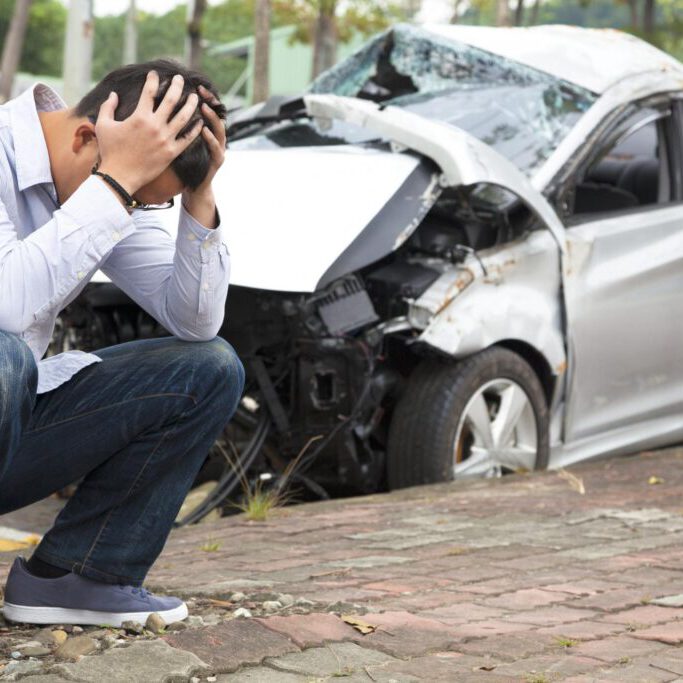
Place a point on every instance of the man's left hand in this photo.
(201, 203)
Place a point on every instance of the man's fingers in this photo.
(108, 108)
(168, 103)
(183, 142)
(149, 92)
(179, 121)
(217, 150)
(208, 95)
(215, 122)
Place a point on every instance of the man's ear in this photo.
(84, 136)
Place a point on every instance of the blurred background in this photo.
(255, 48)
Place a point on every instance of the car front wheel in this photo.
(481, 416)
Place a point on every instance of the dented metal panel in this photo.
(516, 296)
(463, 159)
(595, 59)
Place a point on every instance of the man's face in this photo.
(161, 189)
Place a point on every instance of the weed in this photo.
(456, 550)
(623, 660)
(258, 504)
(537, 678)
(565, 642)
(210, 546)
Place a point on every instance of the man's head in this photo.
(189, 169)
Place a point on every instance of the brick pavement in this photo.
(517, 579)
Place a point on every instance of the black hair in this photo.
(192, 165)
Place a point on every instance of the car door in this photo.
(624, 284)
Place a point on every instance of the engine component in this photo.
(390, 285)
(347, 307)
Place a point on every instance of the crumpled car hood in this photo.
(289, 213)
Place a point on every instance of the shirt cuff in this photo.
(94, 208)
(191, 223)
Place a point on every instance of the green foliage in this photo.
(361, 16)
(668, 34)
(164, 35)
(44, 43)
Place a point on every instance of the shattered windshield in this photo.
(522, 113)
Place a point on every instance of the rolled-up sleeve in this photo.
(42, 269)
(182, 284)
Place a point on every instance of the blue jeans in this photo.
(135, 427)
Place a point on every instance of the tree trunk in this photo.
(193, 45)
(261, 50)
(325, 37)
(534, 12)
(14, 42)
(130, 37)
(649, 17)
(519, 13)
(502, 13)
(633, 7)
(456, 11)
(412, 8)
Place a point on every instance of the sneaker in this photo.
(74, 599)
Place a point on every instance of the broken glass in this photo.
(521, 112)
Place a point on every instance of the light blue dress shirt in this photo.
(49, 252)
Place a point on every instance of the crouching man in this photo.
(134, 421)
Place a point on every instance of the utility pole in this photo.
(130, 37)
(261, 51)
(78, 50)
(11, 52)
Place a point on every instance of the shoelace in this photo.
(143, 592)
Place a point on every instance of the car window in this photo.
(632, 173)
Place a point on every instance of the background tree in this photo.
(325, 23)
(649, 9)
(457, 7)
(193, 44)
(503, 13)
(13, 46)
(261, 50)
(519, 13)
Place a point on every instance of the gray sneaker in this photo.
(73, 599)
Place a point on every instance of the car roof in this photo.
(595, 59)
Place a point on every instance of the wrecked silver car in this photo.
(459, 254)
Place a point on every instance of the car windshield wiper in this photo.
(274, 110)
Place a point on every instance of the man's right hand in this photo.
(138, 149)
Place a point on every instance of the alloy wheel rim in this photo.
(497, 430)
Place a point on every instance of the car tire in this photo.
(437, 408)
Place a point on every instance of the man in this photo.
(133, 421)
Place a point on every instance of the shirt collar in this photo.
(30, 149)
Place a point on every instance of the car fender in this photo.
(510, 294)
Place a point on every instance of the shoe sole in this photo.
(61, 615)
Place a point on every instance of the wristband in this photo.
(127, 199)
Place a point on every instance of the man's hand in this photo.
(138, 149)
(200, 203)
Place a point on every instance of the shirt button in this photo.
(116, 235)
(205, 287)
(80, 274)
(191, 236)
